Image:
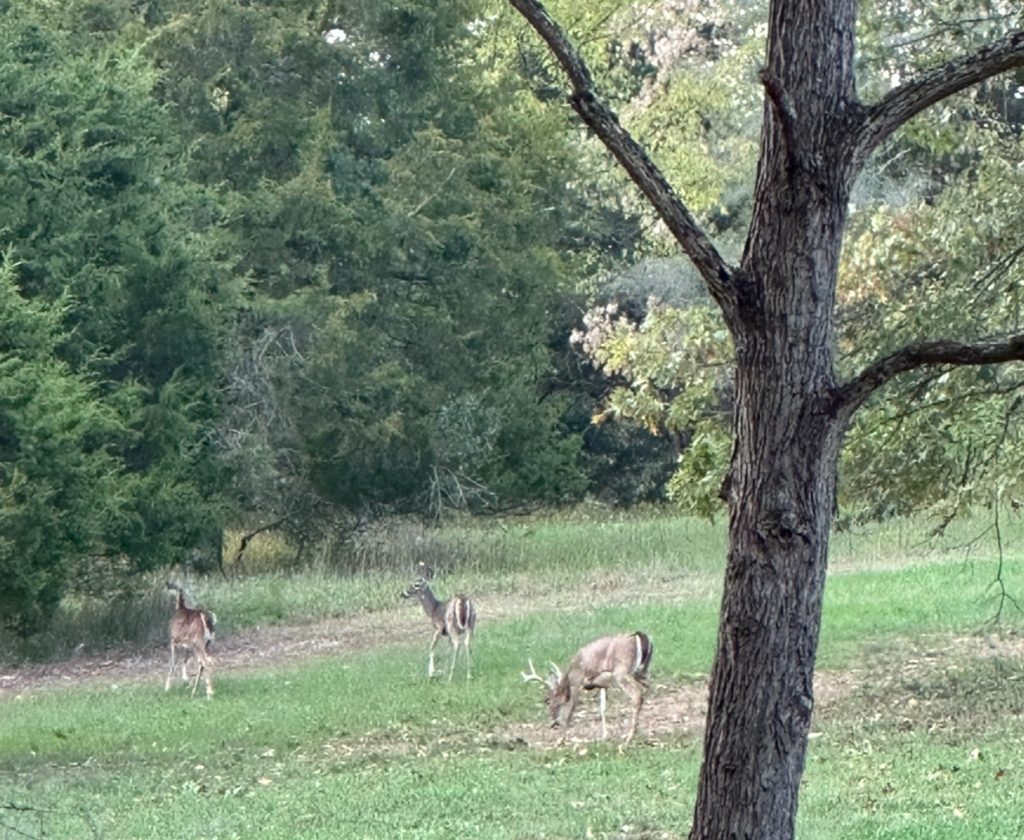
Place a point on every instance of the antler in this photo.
(553, 679)
(533, 676)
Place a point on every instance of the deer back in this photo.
(190, 627)
(597, 663)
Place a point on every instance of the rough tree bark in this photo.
(791, 411)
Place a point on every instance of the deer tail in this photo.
(461, 612)
(644, 651)
(210, 622)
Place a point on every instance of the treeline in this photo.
(286, 263)
(301, 264)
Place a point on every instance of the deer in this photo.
(455, 619)
(191, 630)
(621, 659)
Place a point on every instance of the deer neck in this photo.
(431, 606)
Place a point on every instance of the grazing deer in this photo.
(455, 619)
(192, 630)
(621, 659)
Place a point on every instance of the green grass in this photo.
(926, 742)
(910, 787)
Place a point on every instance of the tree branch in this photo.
(985, 351)
(631, 155)
(782, 103)
(908, 100)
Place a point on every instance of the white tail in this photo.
(455, 619)
(622, 659)
(192, 630)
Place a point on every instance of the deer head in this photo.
(621, 660)
(556, 692)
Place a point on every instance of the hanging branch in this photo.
(631, 155)
(999, 582)
(239, 559)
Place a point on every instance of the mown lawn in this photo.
(921, 735)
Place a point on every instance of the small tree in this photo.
(791, 409)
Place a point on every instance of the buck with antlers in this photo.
(191, 631)
(455, 619)
(622, 660)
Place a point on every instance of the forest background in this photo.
(302, 267)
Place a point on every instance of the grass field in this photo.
(918, 732)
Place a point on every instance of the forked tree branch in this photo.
(631, 155)
(985, 351)
(908, 100)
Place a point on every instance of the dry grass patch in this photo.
(945, 685)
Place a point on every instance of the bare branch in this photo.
(631, 155)
(982, 352)
(415, 210)
(999, 583)
(908, 100)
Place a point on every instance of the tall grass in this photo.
(513, 558)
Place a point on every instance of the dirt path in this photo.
(671, 710)
(253, 648)
(280, 644)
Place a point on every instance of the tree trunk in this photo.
(782, 479)
(781, 493)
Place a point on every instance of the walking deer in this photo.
(192, 631)
(621, 659)
(455, 619)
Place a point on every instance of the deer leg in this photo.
(469, 658)
(200, 667)
(433, 644)
(635, 691)
(602, 701)
(203, 670)
(455, 639)
(170, 672)
(207, 671)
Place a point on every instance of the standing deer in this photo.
(455, 619)
(191, 630)
(621, 659)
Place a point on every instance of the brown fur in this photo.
(455, 619)
(192, 631)
(623, 660)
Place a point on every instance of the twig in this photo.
(415, 210)
(1004, 595)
